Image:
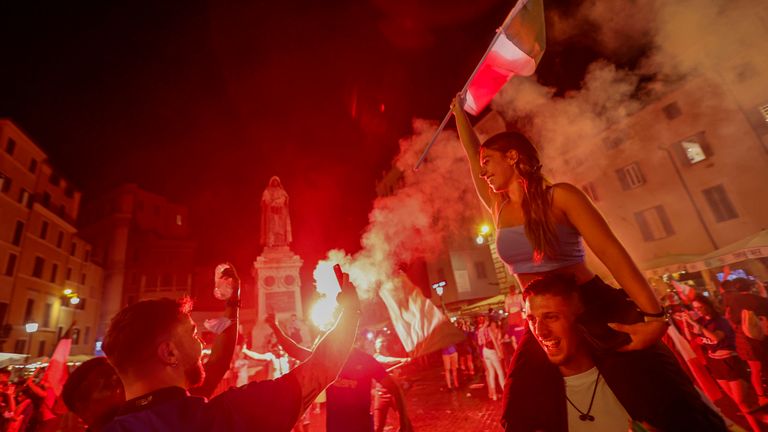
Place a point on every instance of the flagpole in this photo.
(519, 5)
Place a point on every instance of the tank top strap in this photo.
(498, 213)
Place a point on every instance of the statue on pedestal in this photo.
(275, 220)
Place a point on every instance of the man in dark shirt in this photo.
(737, 297)
(154, 347)
(349, 397)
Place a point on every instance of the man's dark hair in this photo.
(559, 285)
(135, 331)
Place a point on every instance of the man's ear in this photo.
(167, 353)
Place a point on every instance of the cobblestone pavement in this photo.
(431, 408)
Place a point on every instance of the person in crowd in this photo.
(451, 367)
(594, 392)
(466, 350)
(383, 399)
(539, 231)
(737, 297)
(154, 348)
(95, 393)
(718, 340)
(489, 341)
(7, 400)
(348, 399)
(48, 418)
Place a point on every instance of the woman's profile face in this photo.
(496, 169)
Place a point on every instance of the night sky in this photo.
(203, 101)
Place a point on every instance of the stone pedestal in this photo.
(278, 289)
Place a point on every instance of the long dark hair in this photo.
(537, 200)
(714, 312)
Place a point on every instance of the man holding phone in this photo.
(154, 347)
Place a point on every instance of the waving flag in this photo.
(685, 292)
(421, 326)
(516, 50)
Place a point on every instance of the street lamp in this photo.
(439, 288)
(30, 327)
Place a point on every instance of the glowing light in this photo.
(479, 239)
(31, 327)
(485, 229)
(369, 335)
(67, 291)
(323, 313)
(74, 300)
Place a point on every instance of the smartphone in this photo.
(339, 275)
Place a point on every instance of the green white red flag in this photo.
(515, 51)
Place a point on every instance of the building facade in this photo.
(683, 176)
(144, 242)
(48, 278)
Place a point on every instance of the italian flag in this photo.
(516, 50)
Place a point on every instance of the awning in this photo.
(8, 359)
(754, 246)
(483, 305)
(668, 264)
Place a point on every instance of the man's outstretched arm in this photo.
(330, 354)
(289, 345)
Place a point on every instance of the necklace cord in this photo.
(585, 415)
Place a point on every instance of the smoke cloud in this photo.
(411, 224)
(679, 39)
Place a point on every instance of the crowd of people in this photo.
(575, 354)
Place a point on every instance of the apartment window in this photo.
(694, 149)
(82, 278)
(5, 183)
(480, 270)
(60, 239)
(3, 311)
(54, 272)
(17, 233)
(37, 270)
(720, 204)
(73, 248)
(613, 142)
(87, 257)
(590, 191)
(630, 176)
(69, 273)
(44, 230)
(10, 264)
(10, 146)
(32, 165)
(672, 111)
(87, 337)
(41, 348)
(47, 315)
(75, 336)
(29, 311)
(24, 197)
(20, 346)
(654, 223)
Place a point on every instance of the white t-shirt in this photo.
(609, 414)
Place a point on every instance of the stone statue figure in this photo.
(275, 221)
